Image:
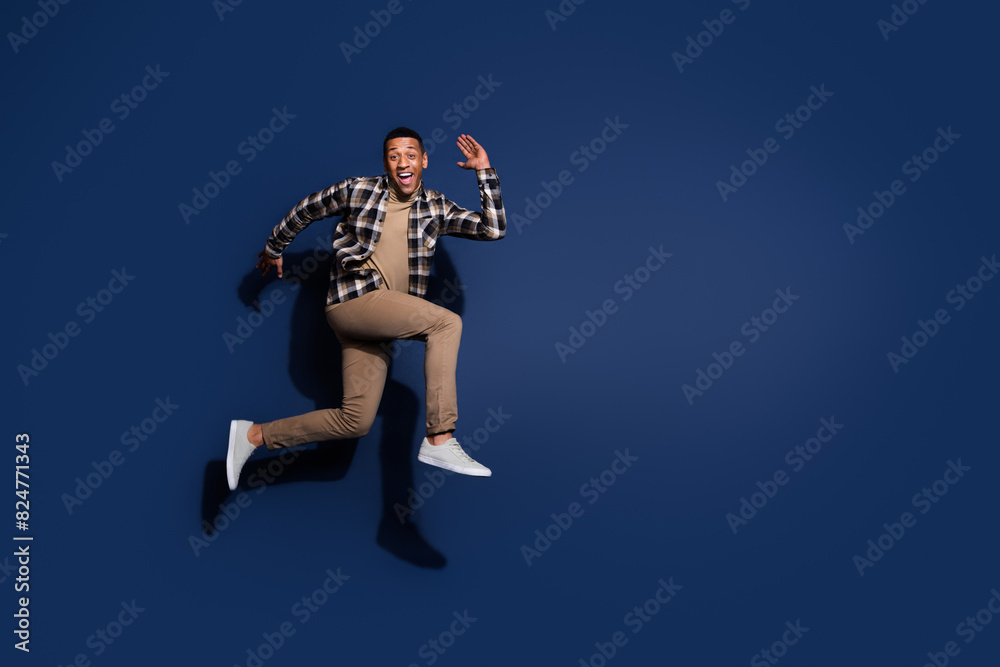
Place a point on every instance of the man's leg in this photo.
(368, 321)
(364, 368)
(390, 314)
(385, 314)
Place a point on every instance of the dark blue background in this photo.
(162, 337)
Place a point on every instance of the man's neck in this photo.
(396, 195)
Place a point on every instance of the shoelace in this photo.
(459, 452)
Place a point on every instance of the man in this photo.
(383, 251)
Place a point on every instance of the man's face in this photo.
(404, 162)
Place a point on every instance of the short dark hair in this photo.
(401, 133)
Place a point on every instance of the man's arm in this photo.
(491, 223)
(323, 204)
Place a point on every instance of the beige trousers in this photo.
(365, 327)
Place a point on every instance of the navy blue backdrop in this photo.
(733, 366)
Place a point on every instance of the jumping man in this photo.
(383, 250)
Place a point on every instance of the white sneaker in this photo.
(451, 456)
(240, 450)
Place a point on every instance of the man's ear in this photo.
(425, 160)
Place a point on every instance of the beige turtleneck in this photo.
(391, 255)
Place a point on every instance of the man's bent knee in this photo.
(356, 423)
(453, 322)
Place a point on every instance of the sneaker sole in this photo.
(229, 456)
(472, 472)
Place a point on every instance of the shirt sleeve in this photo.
(323, 204)
(490, 224)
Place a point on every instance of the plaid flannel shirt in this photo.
(363, 203)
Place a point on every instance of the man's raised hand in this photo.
(475, 155)
(266, 262)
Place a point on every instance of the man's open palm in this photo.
(475, 155)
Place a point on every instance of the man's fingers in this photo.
(472, 151)
(466, 146)
(266, 262)
(471, 143)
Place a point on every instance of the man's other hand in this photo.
(266, 262)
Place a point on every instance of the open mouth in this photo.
(405, 177)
